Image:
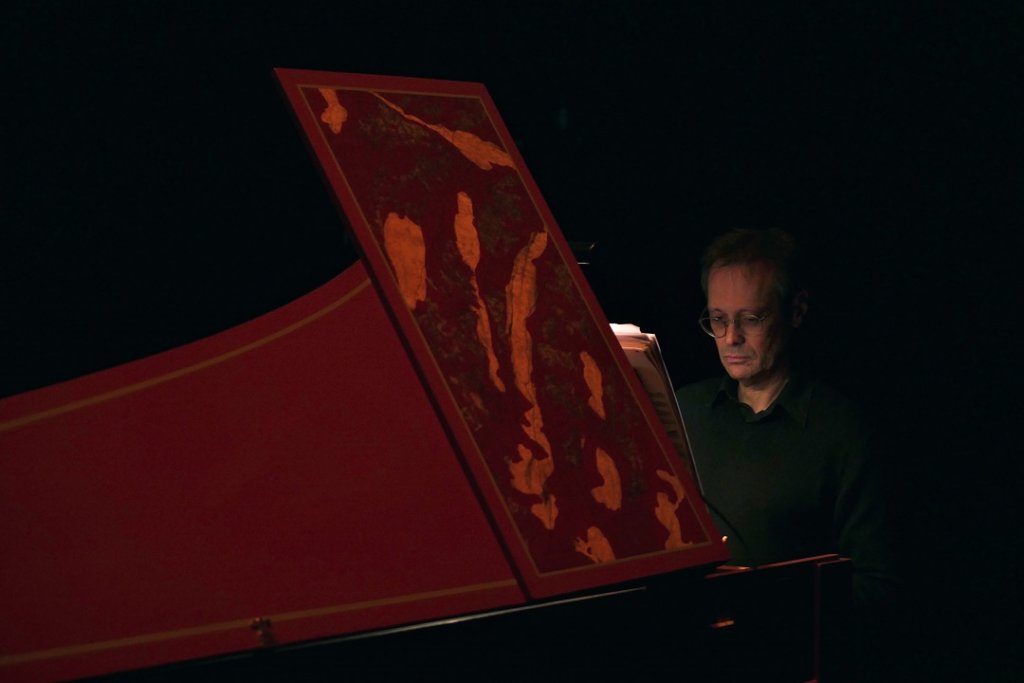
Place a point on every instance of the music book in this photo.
(644, 355)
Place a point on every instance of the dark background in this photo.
(156, 191)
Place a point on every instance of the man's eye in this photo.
(750, 320)
(717, 319)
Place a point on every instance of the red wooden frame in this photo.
(536, 393)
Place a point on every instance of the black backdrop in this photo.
(155, 191)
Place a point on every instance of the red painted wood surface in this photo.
(289, 468)
(407, 442)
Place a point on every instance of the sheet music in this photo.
(645, 357)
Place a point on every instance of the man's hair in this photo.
(772, 247)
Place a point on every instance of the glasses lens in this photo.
(711, 326)
(751, 324)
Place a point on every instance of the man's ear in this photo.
(799, 307)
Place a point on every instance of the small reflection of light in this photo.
(723, 623)
(724, 539)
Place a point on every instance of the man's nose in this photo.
(733, 334)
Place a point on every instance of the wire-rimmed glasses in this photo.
(716, 325)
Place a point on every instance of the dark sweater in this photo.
(798, 479)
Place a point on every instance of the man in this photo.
(787, 465)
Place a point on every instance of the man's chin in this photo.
(737, 367)
(738, 373)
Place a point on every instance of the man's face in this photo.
(751, 357)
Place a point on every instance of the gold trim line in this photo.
(175, 374)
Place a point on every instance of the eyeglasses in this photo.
(717, 325)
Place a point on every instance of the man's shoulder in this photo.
(699, 393)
